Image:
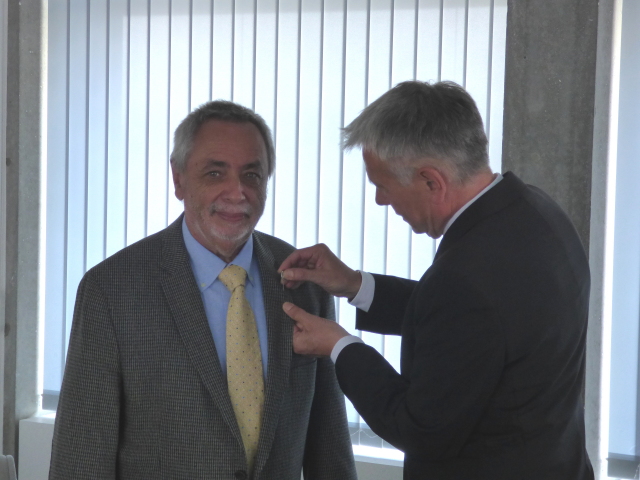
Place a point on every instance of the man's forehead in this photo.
(217, 126)
(373, 164)
(218, 135)
(257, 164)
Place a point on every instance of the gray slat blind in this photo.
(123, 74)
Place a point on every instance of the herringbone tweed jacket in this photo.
(144, 396)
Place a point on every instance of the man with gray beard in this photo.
(180, 360)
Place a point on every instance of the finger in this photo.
(290, 309)
(295, 312)
(300, 274)
(290, 261)
(299, 258)
(291, 285)
(288, 283)
(323, 278)
(297, 328)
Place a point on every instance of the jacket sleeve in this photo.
(85, 439)
(328, 452)
(387, 310)
(457, 352)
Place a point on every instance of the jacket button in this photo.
(241, 475)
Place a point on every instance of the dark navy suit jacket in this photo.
(493, 348)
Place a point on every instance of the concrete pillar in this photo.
(25, 83)
(549, 100)
(558, 97)
(3, 196)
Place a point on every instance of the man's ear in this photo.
(177, 183)
(434, 181)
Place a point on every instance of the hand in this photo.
(319, 265)
(313, 335)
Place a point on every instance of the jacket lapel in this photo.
(280, 338)
(185, 303)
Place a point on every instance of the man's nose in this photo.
(234, 189)
(381, 198)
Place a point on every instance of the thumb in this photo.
(295, 312)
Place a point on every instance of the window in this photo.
(124, 73)
(624, 431)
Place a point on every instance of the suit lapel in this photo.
(185, 303)
(280, 338)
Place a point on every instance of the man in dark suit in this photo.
(493, 334)
(180, 362)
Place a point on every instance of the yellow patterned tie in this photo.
(244, 361)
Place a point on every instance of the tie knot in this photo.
(232, 276)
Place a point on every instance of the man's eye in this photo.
(214, 173)
(253, 176)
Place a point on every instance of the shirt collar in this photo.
(468, 204)
(207, 266)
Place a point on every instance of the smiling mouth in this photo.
(232, 217)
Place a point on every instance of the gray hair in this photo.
(415, 121)
(217, 110)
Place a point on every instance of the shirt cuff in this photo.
(364, 297)
(343, 342)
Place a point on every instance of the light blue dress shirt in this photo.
(206, 267)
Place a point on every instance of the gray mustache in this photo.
(233, 211)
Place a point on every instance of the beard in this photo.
(242, 231)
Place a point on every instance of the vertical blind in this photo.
(123, 73)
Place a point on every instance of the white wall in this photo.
(373, 471)
(35, 446)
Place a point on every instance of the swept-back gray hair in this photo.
(416, 120)
(217, 110)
